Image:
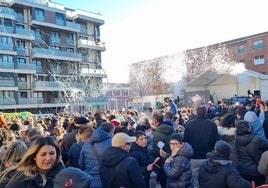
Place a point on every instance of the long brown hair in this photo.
(27, 165)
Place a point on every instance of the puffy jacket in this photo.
(220, 174)
(178, 171)
(88, 161)
(249, 149)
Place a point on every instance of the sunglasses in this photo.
(128, 143)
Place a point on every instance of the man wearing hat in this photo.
(118, 168)
(69, 138)
(218, 171)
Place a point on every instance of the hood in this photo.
(99, 135)
(213, 166)
(136, 147)
(186, 151)
(244, 140)
(165, 128)
(226, 131)
(256, 126)
(113, 155)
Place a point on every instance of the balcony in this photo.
(20, 33)
(85, 15)
(24, 34)
(31, 101)
(7, 65)
(93, 73)
(70, 26)
(7, 101)
(22, 85)
(48, 86)
(7, 83)
(93, 45)
(27, 67)
(56, 54)
(43, 4)
(6, 12)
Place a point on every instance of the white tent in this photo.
(226, 85)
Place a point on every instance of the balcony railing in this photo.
(94, 45)
(6, 29)
(56, 54)
(26, 66)
(85, 15)
(22, 85)
(7, 65)
(31, 101)
(6, 12)
(7, 101)
(48, 85)
(25, 33)
(7, 83)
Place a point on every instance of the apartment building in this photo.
(251, 50)
(50, 56)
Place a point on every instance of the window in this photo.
(55, 47)
(6, 76)
(38, 63)
(21, 44)
(60, 19)
(38, 94)
(21, 60)
(258, 60)
(241, 49)
(19, 13)
(6, 58)
(55, 37)
(70, 39)
(39, 15)
(83, 28)
(70, 50)
(23, 94)
(258, 44)
(38, 34)
(5, 40)
(22, 77)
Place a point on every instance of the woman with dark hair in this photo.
(37, 168)
(249, 148)
(226, 132)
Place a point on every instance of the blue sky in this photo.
(137, 30)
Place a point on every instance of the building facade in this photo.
(50, 56)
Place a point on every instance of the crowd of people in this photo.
(204, 146)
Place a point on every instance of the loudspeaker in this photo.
(257, 93)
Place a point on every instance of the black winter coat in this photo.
(202, 134)
(35, 182)
(220, 174)
(249, 149)
(118, 169)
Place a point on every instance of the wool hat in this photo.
(119, 139)
(72, 177)
(250, 117)
(222, 151)
(81, 120)
(115, 122)
(241, 110)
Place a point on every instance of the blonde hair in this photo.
(27, 165)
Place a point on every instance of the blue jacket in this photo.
(88, 161)
(178, 171)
